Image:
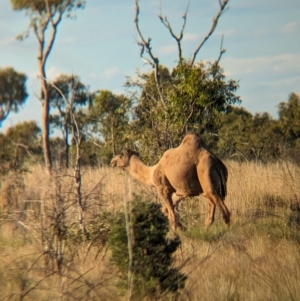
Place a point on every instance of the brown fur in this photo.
(187, 170)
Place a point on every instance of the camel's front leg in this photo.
(176, 199)
(166, 196)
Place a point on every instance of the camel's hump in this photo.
(192, 140)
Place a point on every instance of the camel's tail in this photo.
(223, 176)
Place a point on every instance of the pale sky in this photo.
(261, 38)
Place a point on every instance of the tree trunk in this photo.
(113, 136)
(45, 115)
(66, 145)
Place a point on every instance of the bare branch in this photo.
(57, 89)
(52, 38)
(222, 51)
(26, 147)
(239, 151)
(146, 46)
(143, 43)
(179, 38)
(223, 4)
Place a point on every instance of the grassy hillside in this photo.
(45, 255)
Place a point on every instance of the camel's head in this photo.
(123, 159)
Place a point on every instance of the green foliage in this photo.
(109, 116)
(40, 5)
(249, 137)
(289, 120)
(260, 137)
(64, 90)
(19, 145)
(192, 98)
(67, 95)
(152, 251)
(12, 91)
(96, 232)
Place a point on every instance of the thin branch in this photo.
(222, 51)
(179, 38)
(26, 147)
(143, 43)
(223, 4)
(57, 89)
(146, 46)
(51, 41)
(245, 157)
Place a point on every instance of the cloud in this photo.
(168, 49)
(284, 82)
(8, 41)
(190, 37)
(110, 73)
(261, 32)
(69, 40)
(288, 28)
(52, 73)
(279, 64)
(227, 33)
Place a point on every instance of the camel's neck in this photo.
(140, 171)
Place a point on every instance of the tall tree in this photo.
(193, 98)
(13, 91)
(187, 97)
(289, 117)
(45, 17)
(289, 120)
(24, 138)
(20, 145)
(242, 135)
(64, 91)
(109, 114)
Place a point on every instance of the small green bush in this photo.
(152, 266)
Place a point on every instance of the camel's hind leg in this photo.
(210, 216)
(211, 185)
(213, 202)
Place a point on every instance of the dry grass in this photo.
(257, 258)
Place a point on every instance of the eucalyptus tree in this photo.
(194, 96)
(171, 101)
(45, 17)
(67, 95)
(249, 137)
(289, 120)
(13, 92)
(289, 117)
(20, 144)
(109, 116)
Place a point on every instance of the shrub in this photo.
(152, 261)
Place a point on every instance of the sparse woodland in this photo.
(73, 228)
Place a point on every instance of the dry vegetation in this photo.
(257, 258)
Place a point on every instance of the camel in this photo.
(185, 171)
